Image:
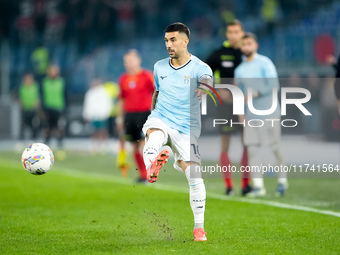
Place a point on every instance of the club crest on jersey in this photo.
(186, 78)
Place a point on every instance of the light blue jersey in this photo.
(177, 104)
(260, 75)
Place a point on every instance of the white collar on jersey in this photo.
(176, 68)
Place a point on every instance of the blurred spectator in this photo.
(97, 109)
(29, 100)
(40, 62)
(54, 102)
(270, 14)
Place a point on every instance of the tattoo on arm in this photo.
(154, 99)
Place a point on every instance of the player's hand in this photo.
(246, 98)
(200, 92)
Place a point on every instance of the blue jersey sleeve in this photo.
(270, 76)
(204, 72)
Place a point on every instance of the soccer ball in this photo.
(37, 158)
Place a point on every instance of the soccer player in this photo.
(175, 118)
(134, 104)
(54, 99)
(223, 62)
(259, 73)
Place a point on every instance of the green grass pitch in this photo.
(83, 206)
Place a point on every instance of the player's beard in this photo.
(249, 54)
(174, 56)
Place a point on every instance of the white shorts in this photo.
(184, 147)
(265, 135)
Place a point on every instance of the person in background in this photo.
(97, 109)
(223, 62)
(40, 62)
(29, 100)
(263, 142)
(54, 103)
(134, 105)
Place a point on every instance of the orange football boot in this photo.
(199, 234)
(156, 165)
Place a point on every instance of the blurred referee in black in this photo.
(223, 62)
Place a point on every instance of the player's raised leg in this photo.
(153, 159)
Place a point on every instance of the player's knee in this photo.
(193, 172)
(151, 130)
(183, 164)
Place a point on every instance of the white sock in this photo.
(258, 182)
(197, 197)
(152, 146)
(255, 160)
(282, 176)
(282, 181)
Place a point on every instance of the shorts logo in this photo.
(186, 78)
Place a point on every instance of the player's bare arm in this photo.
(120, 115)
(154, 99)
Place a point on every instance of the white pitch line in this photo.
(255, 201)
(160, 186)
(117, 179)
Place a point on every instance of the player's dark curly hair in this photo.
(178, 27)
(249, 35)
